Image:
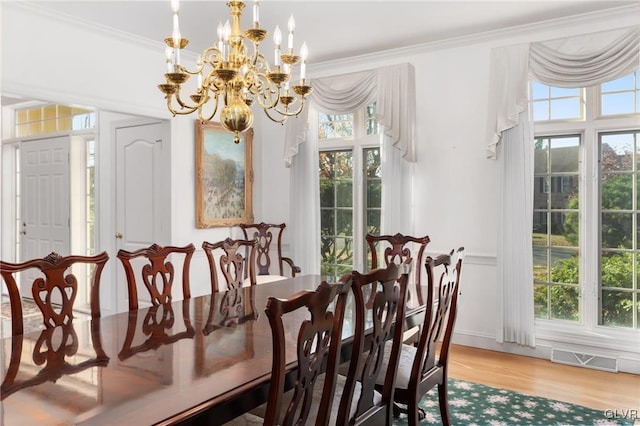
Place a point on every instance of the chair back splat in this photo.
(398, 249)
(319, 341)
(58, 282)
(157, 273)
(236, 261)
(389, 288)
(265, 233)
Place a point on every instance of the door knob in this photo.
(119, 235)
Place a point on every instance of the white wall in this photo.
(455, 196)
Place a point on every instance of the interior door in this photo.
(44, 200)
(142, 191)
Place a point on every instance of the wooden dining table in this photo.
(202, 360)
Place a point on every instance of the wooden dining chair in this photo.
(319, 316)
(54, 289)
(372, 328)
(266, 264)
(236, 259)
(156, 272)
(424, 365)
(398, 249)
(318, 351)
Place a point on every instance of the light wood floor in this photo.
(533, 376)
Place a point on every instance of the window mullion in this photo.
(358, 208)
(590, 224)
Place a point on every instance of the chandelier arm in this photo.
(286, 113)
(265, 92)
(195, 72)
(186, 106)
(183, 111)
(280, 121)
(258, 60)
(213, 113)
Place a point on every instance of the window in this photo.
(619, 215)
(556, 228)
(90, 186)
(621, 96)
(350, 188)
(47, 119)
(586, 221)
(555, 103)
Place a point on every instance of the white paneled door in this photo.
(142, 191)
(44, 183)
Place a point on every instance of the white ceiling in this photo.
(332, 29)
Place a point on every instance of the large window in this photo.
(350, 188)
(586, 222)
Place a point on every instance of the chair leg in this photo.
(412, 415)
(415, 414)
(444, 403)
(397, 410)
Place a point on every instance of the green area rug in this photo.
(474, 404)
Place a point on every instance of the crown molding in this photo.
(28, 91)
(618, 13)
(74, 21)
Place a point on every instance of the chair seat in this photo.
(405, 364)
(317, 394)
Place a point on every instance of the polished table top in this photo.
(154, 365)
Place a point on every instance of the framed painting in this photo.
(224, 177)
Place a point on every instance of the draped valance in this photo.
(580, 61)
(393, 90)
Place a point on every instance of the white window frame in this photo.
(357, 144)
(587, 330)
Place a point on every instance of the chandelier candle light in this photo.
(230, 76)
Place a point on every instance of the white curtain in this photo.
(587, 60)
(393, 90)
(397, 116)
(305, 212)
(571, 62)
(515, 257)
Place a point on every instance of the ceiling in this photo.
(332, 29)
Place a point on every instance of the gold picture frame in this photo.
(224, 177)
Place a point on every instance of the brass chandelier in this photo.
(234, 78)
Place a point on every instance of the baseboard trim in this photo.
(627, 363)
